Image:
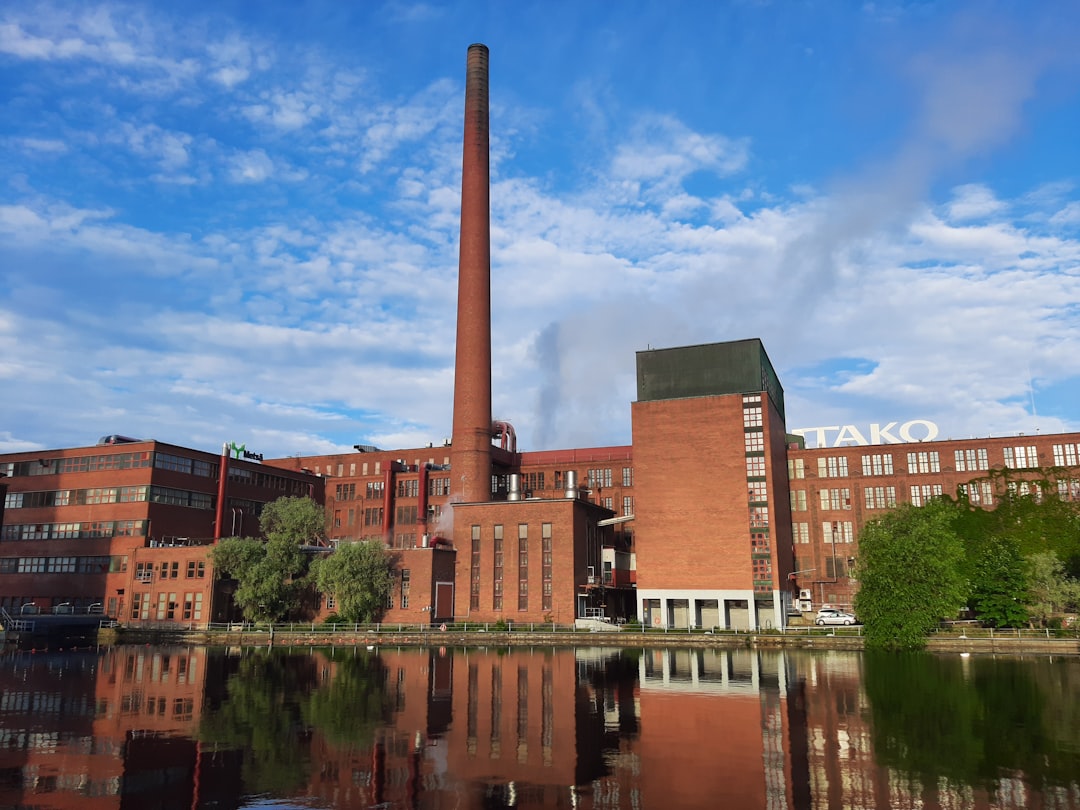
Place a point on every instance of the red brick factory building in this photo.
(717, 515)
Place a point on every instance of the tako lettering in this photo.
(241, 451)
(917, 430)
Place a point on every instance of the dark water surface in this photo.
(192, 727)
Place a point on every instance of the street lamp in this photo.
(26, 605)
(63, 607)
(90, 609)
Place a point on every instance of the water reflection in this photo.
(146, 727)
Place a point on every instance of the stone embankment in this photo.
(986, 642)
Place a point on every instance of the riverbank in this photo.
(982, 641)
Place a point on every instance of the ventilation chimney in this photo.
(471, 446)
(515, 488)
(571, 491)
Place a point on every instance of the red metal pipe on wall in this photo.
(422, 505)
(223, 477)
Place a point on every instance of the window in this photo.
(31, 565)
(1064, 455)
(373, 516)
(144, 572)
(497, 578)
(1020, 458)
(474, 570)
(405, 581)
(838, 531)
(754, 441)
(196, 569)
(140, 606)
(345, 492)
(757, 491)
(600, 477)
(878, 464)
(981, 493)
(755, 466)
(1069, 490)
(798, 500)
(921, 494)
(627, 476)
(759, 517)
(974, 460)
(832, 467)
(923, 462)
(752, 416)
(408, 488)
(880, 497)
(374, 489)
(62, 565)
(533, 482)
(800, 532)
(796, 468)
(628, 505)
(439, 486)
(835, 498)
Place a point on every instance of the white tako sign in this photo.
(917, 430)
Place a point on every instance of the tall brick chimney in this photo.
(470, 454)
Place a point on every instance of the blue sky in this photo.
(238, 221)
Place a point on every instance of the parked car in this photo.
(825, 617)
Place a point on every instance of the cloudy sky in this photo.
(237, 221)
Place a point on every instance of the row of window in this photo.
(63, 565)
(168, 607)
(94, 463)
(267, 480)
(929, 461)
(85, 530)
(144, 571)
(980, 493)
(107, 495)
(440, 486)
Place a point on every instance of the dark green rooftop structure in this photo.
(709, 369)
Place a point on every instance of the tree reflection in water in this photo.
(973, 721)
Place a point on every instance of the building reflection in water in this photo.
(149, 727)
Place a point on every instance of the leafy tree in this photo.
(1050, 589)
(271, 574)
(999, 583)
(910, 573)
(300, 520)
(360, 576)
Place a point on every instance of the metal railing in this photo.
(14, 625)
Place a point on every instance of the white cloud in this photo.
(973, 201)
(251, 167)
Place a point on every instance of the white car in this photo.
(825, 617)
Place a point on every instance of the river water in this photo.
(194, 727)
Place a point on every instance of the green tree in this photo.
(1050, 590)
(271, 575)
(300, 520)
(360, 576)
(998, 582)
(910, 574)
